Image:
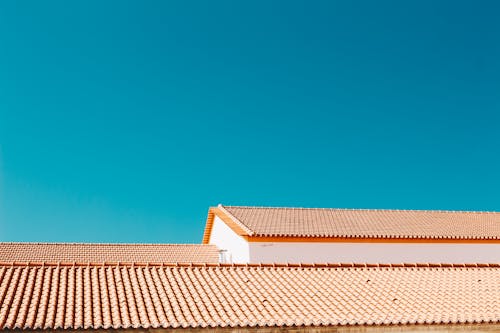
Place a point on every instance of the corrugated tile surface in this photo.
(122, 296)
(85, 252)
(352, 223)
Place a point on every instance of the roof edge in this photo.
(94, 244)
(248, 231)
(250, 265)
(370, 209)
(230, 220)
(208, 226)
(277, 238)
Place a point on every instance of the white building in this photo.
(311, 235)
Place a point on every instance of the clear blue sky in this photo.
(124, 121)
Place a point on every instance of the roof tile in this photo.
(98, 253)
(105, 296)
(365, 223)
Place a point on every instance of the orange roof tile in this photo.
(141, 296)
(359, 223)
(85, 252)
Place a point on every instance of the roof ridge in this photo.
(364, 209)
(251, 265)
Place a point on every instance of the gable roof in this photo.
(71, 296)
(283, 224)
(98, 253)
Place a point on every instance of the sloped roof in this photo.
(358, 223)
(37, 296)
(97, 253)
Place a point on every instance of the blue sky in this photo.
(124, 121)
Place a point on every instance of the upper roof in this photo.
(97, 253)
(141, 296)
(258, 222)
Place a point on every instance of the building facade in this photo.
(267, 235)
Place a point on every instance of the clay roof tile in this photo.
(69, 253)
(361, 223)
(141, 296)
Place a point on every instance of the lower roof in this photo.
(70, 296)
(97, 253)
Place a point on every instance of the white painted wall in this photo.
(279, 252)
(237, 249)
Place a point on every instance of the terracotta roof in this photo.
(121, 296)
(358, 223)
(84, 252)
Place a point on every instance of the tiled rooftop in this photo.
(97, 253)
(364, 223)
(141, 296)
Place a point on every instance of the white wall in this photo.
(373, 253)
(226, 239)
